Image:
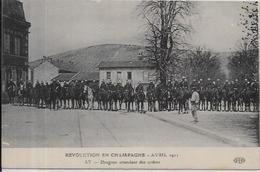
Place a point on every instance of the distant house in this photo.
(46, 69)
(121, 71)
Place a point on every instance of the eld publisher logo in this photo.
(239, 160)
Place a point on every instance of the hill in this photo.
(87, 59)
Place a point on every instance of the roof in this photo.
(14, 9)
(77, 76)
(125, 64)
(61, 65)
(86, 76)
(64, 76)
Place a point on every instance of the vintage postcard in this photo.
(122, 84)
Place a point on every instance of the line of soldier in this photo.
(175, 95)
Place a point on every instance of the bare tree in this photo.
(244, 63)
(165, 32)
(201, 64)
(249, 20)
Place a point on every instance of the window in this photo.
(145, 76)
(129, 75)
(17, 46)
(108, 75)
(119, 76)
(7, 44)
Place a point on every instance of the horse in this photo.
(150, 95)
(216, 99)
(202, 94)
(140, 98)
(21, 94)
(209, 98)
(54, 91)
(226, 99)
(63, 96)
(30, 95)
(129, 98)
(111, 95)
(119, 97)
(169, 100)
(11, 90)
(182, 96)
(162, 99)
(88, 97)
(103, 96)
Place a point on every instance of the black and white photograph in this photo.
(122, 73)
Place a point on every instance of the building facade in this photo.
(122, 71)
(15, 41)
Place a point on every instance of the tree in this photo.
(244, 63)
(165, 29)
(249, 21)
(202, 64)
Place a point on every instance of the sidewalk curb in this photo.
(203, 131)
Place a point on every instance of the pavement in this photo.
(235, 128)
(31, 127)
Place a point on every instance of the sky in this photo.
(62, 25)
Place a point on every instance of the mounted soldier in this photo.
(225, 95)
(128, 95)
(140, 97)
(119, 94)
(11, 89)
(37, 93)
(235, 95)
(29, 88)
(103, 91)
(158, 90)
(170, 92)
(110, 92)
(150, 94)
(42, 95)
(21, 91)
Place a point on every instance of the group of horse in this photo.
(77, 95)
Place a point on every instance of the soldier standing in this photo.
(195, 104)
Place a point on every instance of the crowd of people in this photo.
(237, 95)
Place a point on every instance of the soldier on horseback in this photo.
(110, 92)
(140, 97)
(169, 88)
(119, 94)
(128, 95)
(150, 94)
(103, 91)
(37, 93)
(29, 96)
(10, 88)
(21, 92)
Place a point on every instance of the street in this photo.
(27, 127)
